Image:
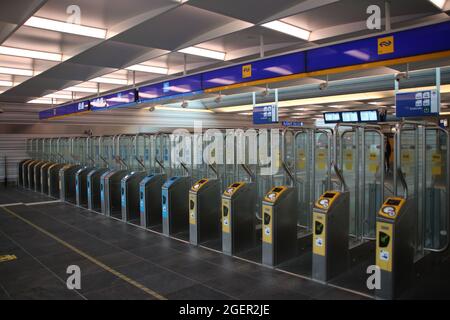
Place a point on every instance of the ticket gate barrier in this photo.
(150, 199)
(94, 194)
(53, 179)
(330, 235)
(279, 230)
(20, 170)
(204, 211)
(394, 246)
(175, 208)
(238, 217)
(31, 167)
(25, 172)
(81, 197)
(110, 192)
(37, 176)
(67, 183)
(129, 192)
(44, 177)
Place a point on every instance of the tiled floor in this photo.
(168, 267)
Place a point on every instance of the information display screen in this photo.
(368, 116)
(349, 116)
(332, 117)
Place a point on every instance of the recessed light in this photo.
(289, 29)
(110, 80)
(148, 69)
(204, 53)
(41, 55)
(59, 26)
(16, 72)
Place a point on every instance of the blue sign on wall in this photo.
(417, 104)
(119, 99)
(284, 65)
(292, 124)
(170, 88)
(267, 114)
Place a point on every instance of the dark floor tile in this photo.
(98, 281)
(119, 259)
(140, 269)
(234, 284)
(51, 290)
(154, 253)
(23, 281)
(166, 282)
(123, 291)
(198, 292)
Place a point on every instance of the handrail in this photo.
(401, 176)
(249, 172)
(289, 173)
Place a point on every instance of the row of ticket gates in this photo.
(207, 213)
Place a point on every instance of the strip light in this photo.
(41, 101)
(148, 69)
(196, 51)
(183, 109)
(41, 55)
(59, 26)
(16, 72)
(110, 80)
(289, 29)
(438, 3)
(82, 89)
(59, 96)
(4, 83)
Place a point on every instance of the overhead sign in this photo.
(65, 110)
(115, 100)
(417, 104)
(292, 124)
(171, 88)
(267, 114)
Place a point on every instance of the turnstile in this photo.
(110, 183)
(238, 217)
(81, 188)
(53, 179)
(279, 230)
(31, 167)
(67, 182)
(20, 172)
(94, 194)
(204, 211)
(37, 176)
(175, 208)
(129, 192)
(395, 246)
(44, 177)
(330, 235)
(150, 199)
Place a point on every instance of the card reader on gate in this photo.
(238, 217)
(204, 211)
(279, 231)
(394, 245)
(330, 235)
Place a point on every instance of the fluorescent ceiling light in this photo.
(149, 69)
(4, 83)
(183, 109)
(65, 27)
(289, 29)
(196, 51)
(438, 3)
(82, 89)
(110, 80)
(16, 52)
(41, 101)
(16, 72)
(59, 96)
